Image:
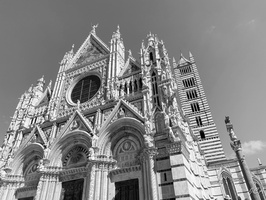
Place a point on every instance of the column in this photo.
(149, 154)
(236, 146)
(92, 181)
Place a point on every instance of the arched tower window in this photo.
(140, 84)
(135, 86)
(202, 134)
(228, 185)
(151, 57)
(155, 89)
(130, 87)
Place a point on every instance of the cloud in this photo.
(247, 24)
(253, 147)
(211, 29)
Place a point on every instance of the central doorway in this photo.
(72, 190)
(127, 190)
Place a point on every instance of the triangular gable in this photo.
(183, 60)
(36, 136)
(130, 67)
(45, 98)
(76, 122)
(92, 49)
(122, 109)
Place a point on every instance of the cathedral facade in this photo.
(112, 128)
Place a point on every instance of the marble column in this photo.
(92, 181)
(149, 154)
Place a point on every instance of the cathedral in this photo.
(113, 127)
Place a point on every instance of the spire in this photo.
(30, 88)
(191, 57)
(174, 62)
(259, 162)
(40, 84)
(50, 84)
(117, 33)
(41, 80)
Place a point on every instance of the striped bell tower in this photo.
(195, 106)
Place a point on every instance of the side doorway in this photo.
(72, 190)
(127, 190)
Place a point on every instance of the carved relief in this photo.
(127, 154)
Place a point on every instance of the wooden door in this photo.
(127, 190)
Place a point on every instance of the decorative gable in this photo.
(76, 122)
(35, 136)
(90, 53)
(45, 98)
(93, 48)
(130, 67)
(122, 109)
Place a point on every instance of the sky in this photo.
(227, 39)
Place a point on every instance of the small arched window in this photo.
(259, 188)
(151, 56)
(202, 134)
(228, 185)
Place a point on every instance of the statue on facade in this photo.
(94, 28)
(91, 151)
(148, 140)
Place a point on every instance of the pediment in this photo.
(35, 136)
(183, 60)
(89, 54)
(45, 98)
(130, 67)
(123, 109)
(92, 49)
(77, 122)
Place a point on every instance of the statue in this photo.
(74, 125)
(230, 129)
(41, 165)
(94, 28)
(46, 152)
(148, 140)
(166, 119)
(121, 113)
(91, 150)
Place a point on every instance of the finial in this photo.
(50, 84)
(41, 79)
(181, 55)
(191, 57)
(142, 44)
(72, 48)
(129, 53)
(174, 62)
(30, 88)
(118, 29)
(259, 162)
(94, 28)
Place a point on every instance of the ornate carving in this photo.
(149, 140)
(74, 125)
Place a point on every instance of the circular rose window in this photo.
(85, 89)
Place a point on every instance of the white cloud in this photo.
(211, 29)
(247, 24)
(253, 147)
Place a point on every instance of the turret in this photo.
(117, 54)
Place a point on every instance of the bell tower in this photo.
(194, 104)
